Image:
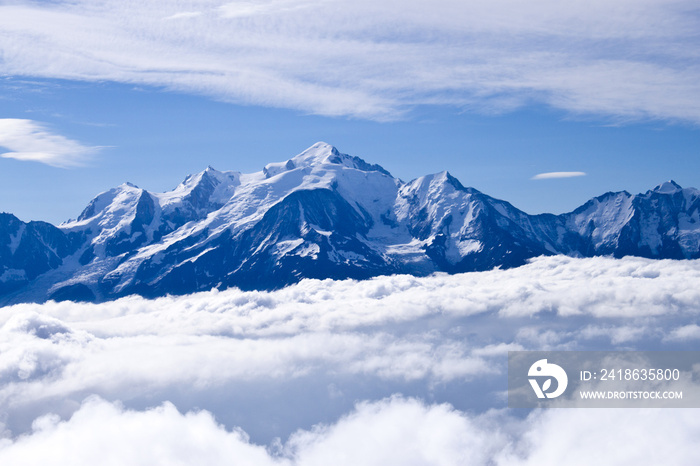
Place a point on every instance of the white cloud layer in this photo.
(31, 141)
(275, 364)
(395, 430)
(625, 59)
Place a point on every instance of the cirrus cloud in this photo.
(623, 60)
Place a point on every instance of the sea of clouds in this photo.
(393, 370)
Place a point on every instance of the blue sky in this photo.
(96, 93)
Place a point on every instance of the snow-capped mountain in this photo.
(321, 214)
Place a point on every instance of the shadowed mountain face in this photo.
(321, 214)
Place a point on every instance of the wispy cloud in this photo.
(29, 140)
(247, 8)
(184, 15)
(623, 60)
(550, 175)
(686, 332)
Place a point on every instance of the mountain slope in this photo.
(28, 250)
(320, 214)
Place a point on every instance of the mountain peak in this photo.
(209, 174)
(202, 190)
(668, 187)
(319, 154)
(438, 179)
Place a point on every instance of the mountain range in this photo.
(321, 214)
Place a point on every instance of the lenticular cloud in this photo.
(275, 377)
